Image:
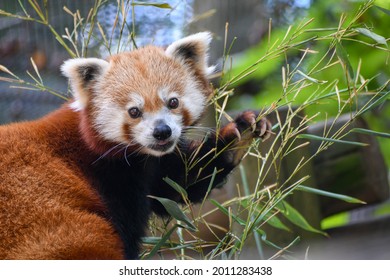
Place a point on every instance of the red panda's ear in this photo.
(192, 51)
(82, 72)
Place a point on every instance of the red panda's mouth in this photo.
(162, 145)
(163, 142)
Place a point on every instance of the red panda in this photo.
(75, 183)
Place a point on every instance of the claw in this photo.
(263, 127)
(267, 130)
(237, 133)
(253, 124)
(266, 136)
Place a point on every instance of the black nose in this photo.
(162, 132)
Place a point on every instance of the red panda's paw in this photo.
(241, 132)
(248, 122)
(246, 127)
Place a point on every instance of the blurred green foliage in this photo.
(365, 54)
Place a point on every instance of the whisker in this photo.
(136, 151)
(199, 128)
(107, 152)
(125, 152)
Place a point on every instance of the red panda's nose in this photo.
(162, 132)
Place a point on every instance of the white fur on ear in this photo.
(192, 50)
(80, 72)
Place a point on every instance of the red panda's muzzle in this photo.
(162, 134)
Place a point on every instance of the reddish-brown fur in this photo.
(50, 198)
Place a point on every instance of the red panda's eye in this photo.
(134, 112)
(173, 103)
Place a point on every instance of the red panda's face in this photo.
(143, 99)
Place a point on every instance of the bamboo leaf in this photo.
(161, 242)
(152, 240)
(263, 236)
(174, 210)
(368, 33)
(345, 198)
(319, 138)
(343, 56)
(329, 95)
(386, 11)
(337, 220)
(303, 42)
(270, 218)
(370, 132)
(378, 101)
(277, 223)
(157, 5)
(226, 212)
(310, 78)
(176, 186)
(296, 218)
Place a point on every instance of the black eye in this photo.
(134, 112)
(173, 103)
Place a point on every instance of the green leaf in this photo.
(338, 220)
(386, 11)
(215, 171)
(343, 56)
(296, 218)
(161, 242)
(263, 236)
(330, 194)
(265, 240)
(151, 240)
(319, 138)
(174, 210)
(271, 219)
(226, 212)
(378, 101)
(370, 132)
(368, 33)
(176, 186)
(154, 240)
(277, 223)
(157, 5)
(311, 79)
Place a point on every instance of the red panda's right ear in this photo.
(82, 72)
(192, 51)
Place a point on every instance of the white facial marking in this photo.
(109, 120)
(194, 100)
(165, 94)
(136, 100)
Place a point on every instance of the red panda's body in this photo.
(45, 194)
(75, 184)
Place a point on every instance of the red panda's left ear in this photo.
(82, 73)
(193, 51)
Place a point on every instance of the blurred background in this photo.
(356, 232)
